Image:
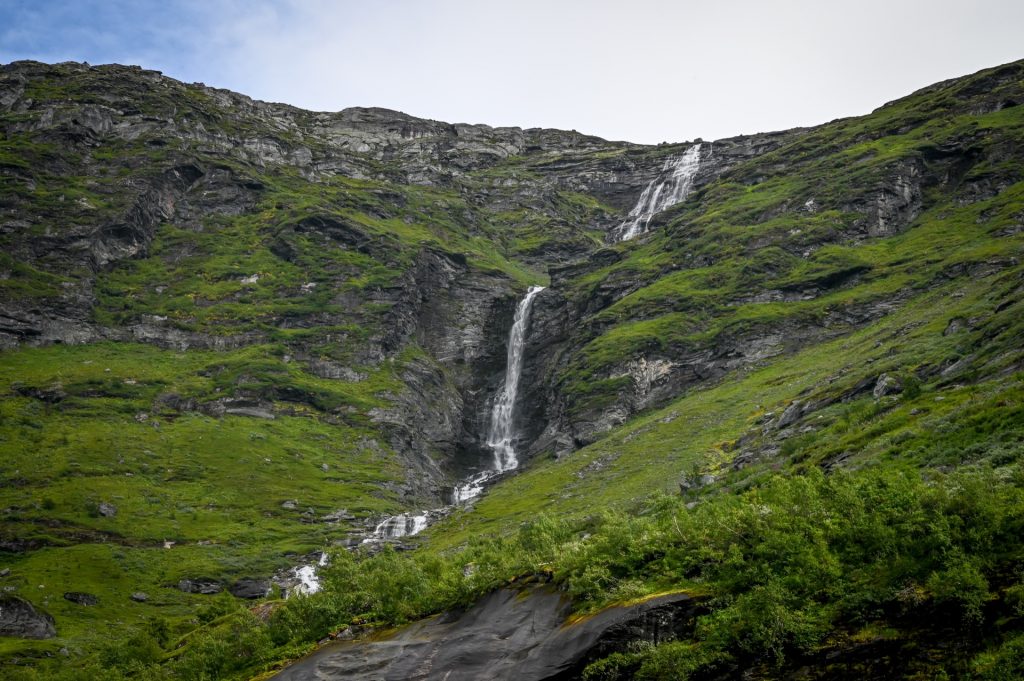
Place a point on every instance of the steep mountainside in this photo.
(236, 334)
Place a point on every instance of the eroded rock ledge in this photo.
(524, 635)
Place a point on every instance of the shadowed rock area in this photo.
(507, 635)
(19, 618)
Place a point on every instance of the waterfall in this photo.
(306, 578)
(669, 188)
(404, 525)
(471, 487)
(502, 424)
(500, 438)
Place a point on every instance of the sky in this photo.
(640, 70)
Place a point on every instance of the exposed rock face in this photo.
(21, 619)
(250, 588)
(130, 238)
(81, 598)
(200, 585)
(544, 200)
(506, 635)
(887, 385)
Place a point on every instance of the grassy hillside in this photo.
(808, 241)
(839, 479)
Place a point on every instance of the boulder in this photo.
(791, 415)
(20, 619)
(338, 516)
(140, 597)
(887, 385)
(107, 510)
(200, 585)
(510, 634)
(250, 588)
(695, 482)
(81, 598)
(51, 395)
(955, 325)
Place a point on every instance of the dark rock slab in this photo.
(506, 635)
(81, 598)
(887, 385)
(250, 588)
(19, 618)
(200, 585)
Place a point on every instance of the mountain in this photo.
(238, 334)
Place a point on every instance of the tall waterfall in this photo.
(500, 438)
(668, 189)
(502, 426)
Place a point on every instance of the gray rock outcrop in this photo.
(250, 588)
(505, 635)
(81, 598)
(200, 585)
(21, 619)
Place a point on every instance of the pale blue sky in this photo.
(643, 70)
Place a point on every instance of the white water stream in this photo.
(308, 582)
(670, 187)
(402, 525)
(502, 435)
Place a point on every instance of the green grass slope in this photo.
(852, 505)
(807, 240)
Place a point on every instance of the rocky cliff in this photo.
(417, 233)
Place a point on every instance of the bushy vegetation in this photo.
(797, 565)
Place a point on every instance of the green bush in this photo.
(1005, 663)
(962, 585)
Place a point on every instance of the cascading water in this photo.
(308, 582)
(502, 424)
(500, 439)
(471, 487)
(502, 431)
(668, 189)
(404, 525)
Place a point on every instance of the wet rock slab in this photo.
(506, 635)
